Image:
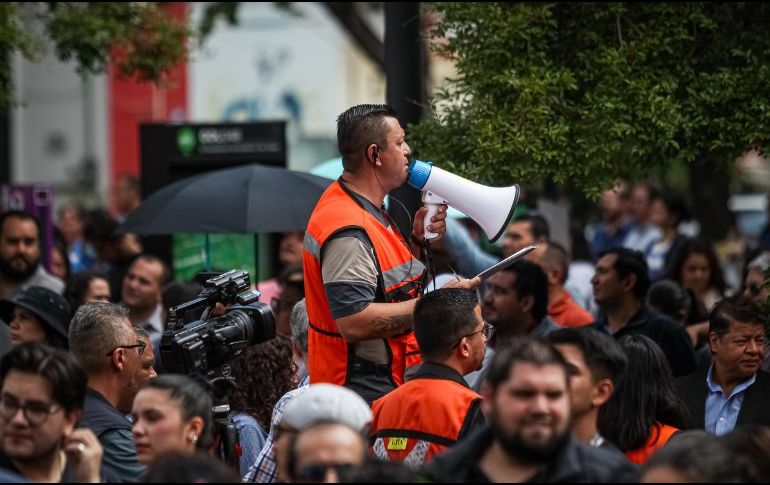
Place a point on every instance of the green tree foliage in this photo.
(140, 38)
(586, 94)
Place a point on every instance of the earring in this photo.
(193, 438)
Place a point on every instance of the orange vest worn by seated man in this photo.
(330, 357)
(420, 419)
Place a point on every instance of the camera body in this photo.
(205, 346)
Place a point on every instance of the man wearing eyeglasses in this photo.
(144, 373)
(436, 408)
(103, 340)
(322, 452)
(41, 399)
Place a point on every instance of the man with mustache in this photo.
(20, 265)
(733, 391)
(528, 439)
(362, 276)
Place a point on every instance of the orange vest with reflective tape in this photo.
(420, 419)
(399, 279)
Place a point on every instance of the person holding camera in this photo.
(172, 414)
(361, 276)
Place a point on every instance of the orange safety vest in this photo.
(330, 357)
(420, 419)
(659, 436)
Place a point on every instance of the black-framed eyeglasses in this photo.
(486, 331)
(317, 471)
(139, 348)
(35, 412)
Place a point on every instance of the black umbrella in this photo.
(248, 199)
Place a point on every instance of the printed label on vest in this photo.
(397, 444)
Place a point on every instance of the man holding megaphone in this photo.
(362, 277)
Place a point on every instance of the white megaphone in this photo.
(490, 207)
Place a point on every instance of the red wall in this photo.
(131, 102)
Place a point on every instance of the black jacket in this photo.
(573, 463)
(754, 410)
(669, 335)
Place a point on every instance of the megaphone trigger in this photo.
(490, 207)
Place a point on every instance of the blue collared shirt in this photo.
(722, 411)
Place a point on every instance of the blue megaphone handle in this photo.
(419, 172)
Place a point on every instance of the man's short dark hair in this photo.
(360, 126)
(701, 457)
(441, 318)
(61, 369)
(523, 350)
(21, 215)
(602, 354)
(165, 275)
(734, 309)
(531, 280)
(630, 261)
(556, 255)
(537, 225)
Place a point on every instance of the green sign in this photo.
(186, 141)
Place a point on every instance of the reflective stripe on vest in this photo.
(399, 279)
(414, 460)
(420, 419)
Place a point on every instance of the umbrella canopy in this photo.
(246, 199)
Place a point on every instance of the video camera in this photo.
(205, 346)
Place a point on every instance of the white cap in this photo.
(761, 262)
(327, 402)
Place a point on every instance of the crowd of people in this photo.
(623, 356)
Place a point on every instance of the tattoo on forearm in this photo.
(392, 324)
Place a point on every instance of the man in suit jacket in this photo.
(733, 391)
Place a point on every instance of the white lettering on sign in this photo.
(218, 136)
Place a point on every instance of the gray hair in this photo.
(299, 323)
(95, 330)
(141, 333)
